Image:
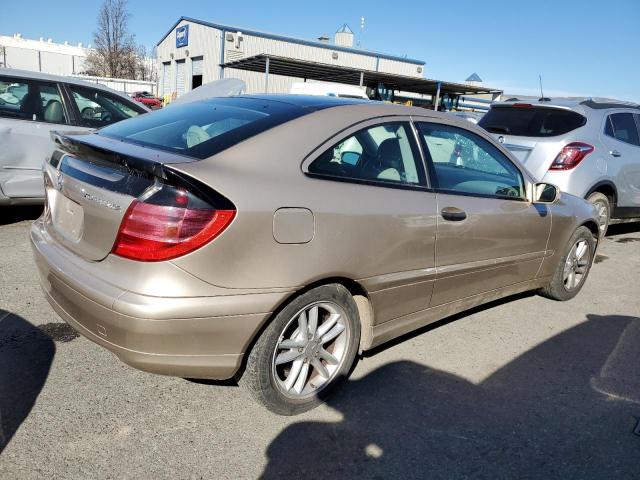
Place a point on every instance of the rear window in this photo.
(202, 129)
(531, 121)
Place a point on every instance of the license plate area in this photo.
(67, 216)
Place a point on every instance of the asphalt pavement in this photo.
(523, 388)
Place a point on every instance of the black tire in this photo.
(258, 377)
(600, 199)
(556, 289)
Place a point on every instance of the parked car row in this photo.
(273, 238)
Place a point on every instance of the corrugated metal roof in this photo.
(333, 73)
(284, 38)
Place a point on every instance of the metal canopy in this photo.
(271, 64)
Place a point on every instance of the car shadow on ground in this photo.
(26, 354)
(565, 409)
(623, 229)
(9, 215)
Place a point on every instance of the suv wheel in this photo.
(573, 268)
(601, 201)
(306, 351)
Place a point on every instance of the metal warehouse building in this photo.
(194, 52)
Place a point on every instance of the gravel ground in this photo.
(524, 388)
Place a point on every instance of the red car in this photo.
(147, 99)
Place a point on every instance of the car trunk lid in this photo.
(90, 181)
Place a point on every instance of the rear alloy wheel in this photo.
(573, 268)
(601, 202)
(307, 350)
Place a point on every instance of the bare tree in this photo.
(115, 53)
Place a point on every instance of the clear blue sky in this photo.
(580, 47)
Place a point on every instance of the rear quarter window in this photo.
(623, 127)
(531, 121)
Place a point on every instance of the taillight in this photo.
(571, 155)
(169, 223)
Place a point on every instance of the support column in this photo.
(266, 76)
(437, 102)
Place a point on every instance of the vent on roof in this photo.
(344, 36)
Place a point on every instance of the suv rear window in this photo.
(202, 129)
(527, 121)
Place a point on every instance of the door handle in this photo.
(453, 214)
(615, 153)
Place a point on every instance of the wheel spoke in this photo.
(571, 280)
(329, 322)
(293, 374)
(333, 333)
(288, 356)
(291, 343)
(302, 378)
(327, 357)
(581, 250)
(318, 365)
(303, 327)
(313, 319)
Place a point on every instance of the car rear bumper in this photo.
(174, 338)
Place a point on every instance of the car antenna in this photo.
(542, 97)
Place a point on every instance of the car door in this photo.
(622, 140)
(489, 235)
(378, 190)
(29, 110)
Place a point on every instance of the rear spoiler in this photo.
(134, 160)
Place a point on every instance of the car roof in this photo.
(578, 104)
(26, 74)
(321, 102)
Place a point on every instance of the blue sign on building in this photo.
(182, 36)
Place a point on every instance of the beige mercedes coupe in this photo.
(274, 238)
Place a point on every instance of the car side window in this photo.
(623, 127)
(384, 153)
(98, 108)
(31, 100)
(464, 162)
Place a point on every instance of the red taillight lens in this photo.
(154, 232)
(571, 155)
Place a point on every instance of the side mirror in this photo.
(545, 193)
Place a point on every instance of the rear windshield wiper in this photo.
(497, 129)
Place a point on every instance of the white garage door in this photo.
(180, 72)
(196, 66)
(166, 78)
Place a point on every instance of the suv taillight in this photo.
(571, 155)
(169, 223)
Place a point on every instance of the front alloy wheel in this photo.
(573, 267)
(576, 265)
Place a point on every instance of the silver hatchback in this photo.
(588, 147)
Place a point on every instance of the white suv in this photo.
(587, 147)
